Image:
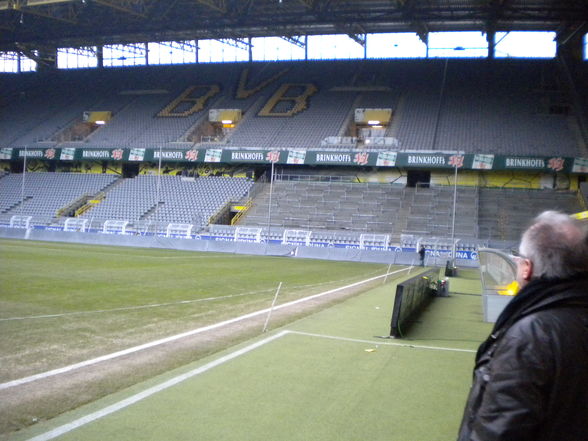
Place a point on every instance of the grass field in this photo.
(323, 377)
(65, 303)
(62, 303)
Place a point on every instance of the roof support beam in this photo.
(239, 43)
(565, 34)
(308, 3)
(44, 8)
(160, 9)
(407, 8)
(31, 3)
(17, 4)
(133, 7)
(218, 5)
(45, 56)
(358, 38)
(356, 32)
(246, 7)
(71, 16)
(296, 40)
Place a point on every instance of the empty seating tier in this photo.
(501, 107)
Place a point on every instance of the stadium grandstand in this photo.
(341, 120)
(319, 145)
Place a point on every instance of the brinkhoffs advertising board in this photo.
(355, 158)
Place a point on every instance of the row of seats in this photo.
(46, 193)
(500, 108)
(484, 213)
(169, 199)
(423, 212)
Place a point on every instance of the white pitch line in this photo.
(404, 345)
(153, 305)
(66, 428)
(61, 430)
(152, 344)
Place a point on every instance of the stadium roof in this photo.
(37, 24)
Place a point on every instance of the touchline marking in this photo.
(153, 305)
(66, 428)
(152, 344)
(61, 430)
(404, 345)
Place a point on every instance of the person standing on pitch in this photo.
(531, 374)
(422, 255)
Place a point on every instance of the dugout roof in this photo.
(26, 25)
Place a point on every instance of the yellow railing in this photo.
(244, 210)
(82, 210)
(89, 204)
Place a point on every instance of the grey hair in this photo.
(557, 245)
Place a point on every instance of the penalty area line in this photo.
(61, 430)
(379, 343)
(120, 405)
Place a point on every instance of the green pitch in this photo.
(324, 377)
(62, 303)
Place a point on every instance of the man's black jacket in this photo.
(531, 375)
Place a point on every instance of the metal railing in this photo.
(313, 178)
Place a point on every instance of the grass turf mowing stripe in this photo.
(113, 355)
(131, 308)
(155, 305)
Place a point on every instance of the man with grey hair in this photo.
(531, 375)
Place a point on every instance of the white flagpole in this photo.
(269, 314)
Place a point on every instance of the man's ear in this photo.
(527, 272)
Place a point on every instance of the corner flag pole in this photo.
(387, 273)
(269, 314)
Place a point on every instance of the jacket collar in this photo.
(542, 293)
(539, 294)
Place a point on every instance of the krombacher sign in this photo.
(404, 160)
